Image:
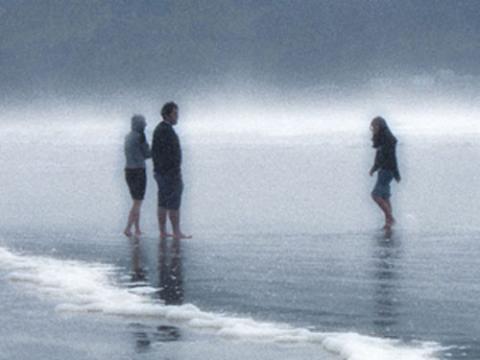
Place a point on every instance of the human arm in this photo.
(377, 162)
(147, 154)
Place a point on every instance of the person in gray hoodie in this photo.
(136, 151)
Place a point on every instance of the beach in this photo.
(287, 260)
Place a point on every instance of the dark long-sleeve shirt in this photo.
(166, 150)
(386, 159)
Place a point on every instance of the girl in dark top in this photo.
(386, 165)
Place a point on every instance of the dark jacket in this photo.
(166, 151)
(386, 158)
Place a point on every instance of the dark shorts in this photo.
(382, 187)
(170, 188)
(137, 182)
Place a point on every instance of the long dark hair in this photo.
(383, 136)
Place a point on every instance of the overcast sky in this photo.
(96, 48)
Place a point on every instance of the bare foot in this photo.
(165, 235)
(181, 236)
(138, 233)
(127, 233)
(390, 221)
(388, 232)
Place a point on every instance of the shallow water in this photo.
(286, 259)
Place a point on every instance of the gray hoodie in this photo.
(136, 145)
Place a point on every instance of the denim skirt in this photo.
(382, 187)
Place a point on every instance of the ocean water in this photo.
(287, 259)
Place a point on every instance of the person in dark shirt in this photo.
(386, 166)
(167, 161)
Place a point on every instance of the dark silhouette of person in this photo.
(386, 167)
(136, 150)
(167, 162)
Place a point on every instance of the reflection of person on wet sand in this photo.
(170, 284)
(146, 335)
(167, 161)
(386, 165)
(386, 277)
(138, 272)
(170, 272)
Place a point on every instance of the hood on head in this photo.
(138, 123)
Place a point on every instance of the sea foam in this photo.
(91, 287)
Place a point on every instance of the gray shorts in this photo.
(170, 189)
(382, 187)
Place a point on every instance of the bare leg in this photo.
(162, 221)
(392, 219)
(175, 220)
(133, 218)
(386, 208)
(138, 232)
